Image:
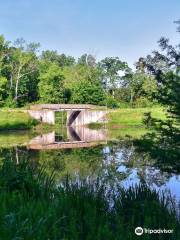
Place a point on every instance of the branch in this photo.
(23, 95)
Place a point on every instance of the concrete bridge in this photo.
(79, 137)
(77, 114)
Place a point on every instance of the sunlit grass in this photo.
(129, 121)
(133, 116)
(15, 120)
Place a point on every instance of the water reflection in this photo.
(78, 137)
(77, 152)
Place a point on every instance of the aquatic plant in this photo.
(34, 207)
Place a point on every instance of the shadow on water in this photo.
(164, 148)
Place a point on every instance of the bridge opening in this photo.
(60, 118)
(60, 126)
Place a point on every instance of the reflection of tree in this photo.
(18, 154)
(162, 149)
(118, 161)
(121, 159)
(74, 162)
(151, 175)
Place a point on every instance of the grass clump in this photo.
(33, 206)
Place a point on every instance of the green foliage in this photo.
(19, 66)
(51, 88)
(143, 102)
(9, 103)
(87, 60)
(87, 92)
(3, 86)
(163, 144)
(110, 72)
(27, 77)
(111, 102)
(84, 84)
(139, 87)
(60, 59)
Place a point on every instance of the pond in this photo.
(83, 153)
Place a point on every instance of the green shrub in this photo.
(143, 102)
(111, 102)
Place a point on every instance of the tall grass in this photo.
(33, 206)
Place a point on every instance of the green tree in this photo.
(21, 70)
(139, 85)
(86, 92)
(3, 87)
(88, 60)
(60, 59)
(111, 68)
(3, 79)
(163, 144)
(51, 84)
(84, 83)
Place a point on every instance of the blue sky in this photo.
(124, 28)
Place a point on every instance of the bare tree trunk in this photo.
(16, 89)
(17, 84)
(11, 82)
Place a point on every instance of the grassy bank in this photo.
(132, 116)
(129, 121)
(32, 207)
(15, 120)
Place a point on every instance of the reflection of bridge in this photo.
(76, 138)
(77, 114)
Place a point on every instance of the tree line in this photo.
(28, 76)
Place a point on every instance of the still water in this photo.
(83, 153)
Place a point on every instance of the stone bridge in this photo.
(77, 114)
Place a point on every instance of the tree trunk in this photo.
(16, 89)
(131, 97)
(17, 84)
